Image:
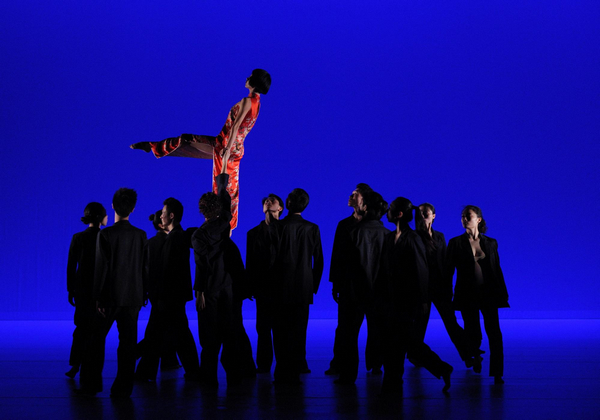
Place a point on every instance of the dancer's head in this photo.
(428, 213)
(297, 201)
(401, 210)
(471, 218)
(273, 203)
(155, 219)
(260, 80)
(95, 214)
(124, 201)
(357, 194)
(210, 205)
(172, 212)
(373, 205)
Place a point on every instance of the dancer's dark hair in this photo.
(376, 205)
(174, 206)
(155, 219)
(260, 80)
(363, 188)
(93, 213)
(297, 200)
(405, 206)
(210, 206)
(124, 201)
(482, 225)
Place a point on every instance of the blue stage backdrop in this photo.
(489, 103)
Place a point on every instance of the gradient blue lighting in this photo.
(494, 104)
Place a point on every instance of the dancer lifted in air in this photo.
(224, 147)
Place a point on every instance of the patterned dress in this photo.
(208, 147)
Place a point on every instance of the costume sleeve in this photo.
(500, 283)
(101, 267)
(422, 270)
(317, 261)
(442, 253)
(202, 265)
(145, 272)
(339, 256)
(252, 262)
(74, 252)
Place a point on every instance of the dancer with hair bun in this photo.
(480, 287)
(403, 292)
(80, 281)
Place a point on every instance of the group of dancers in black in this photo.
(391, 277)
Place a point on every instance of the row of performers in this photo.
(390, 277)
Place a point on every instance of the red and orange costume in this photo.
(207, 147)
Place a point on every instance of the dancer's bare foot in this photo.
(143, 145)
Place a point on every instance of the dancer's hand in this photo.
(200, 302)
(71, 299)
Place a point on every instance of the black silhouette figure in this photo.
(170, 287)
(480, 287)
(80, 281)
(261, 243)
(120, 291)
(356, 290)
(402, 290)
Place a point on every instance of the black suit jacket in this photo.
(363, 261)
(81, 264)
(439, 287)
(176, 284)
(404, 277)
(339, 254)
(120, 278)
(261, 250)
(153, 263)
(218, 261)
(460, 257)
(299, 260)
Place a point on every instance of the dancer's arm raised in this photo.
(245, 106)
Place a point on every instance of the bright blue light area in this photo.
(494, 104)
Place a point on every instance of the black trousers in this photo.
(455, 332)
(265, 318)
(334, 363)
(168, 321)
(289, 340)
(398, 340)
(85, 312)
(350, 319)
(492, 329)
(93, 362)
(216, 330)
(244, 360)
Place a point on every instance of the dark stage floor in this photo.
(552, 372)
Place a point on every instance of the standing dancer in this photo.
(403, 290)
(80, 281)
(119, 291)
(440, 289)
(480, 287)
(224, 147)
